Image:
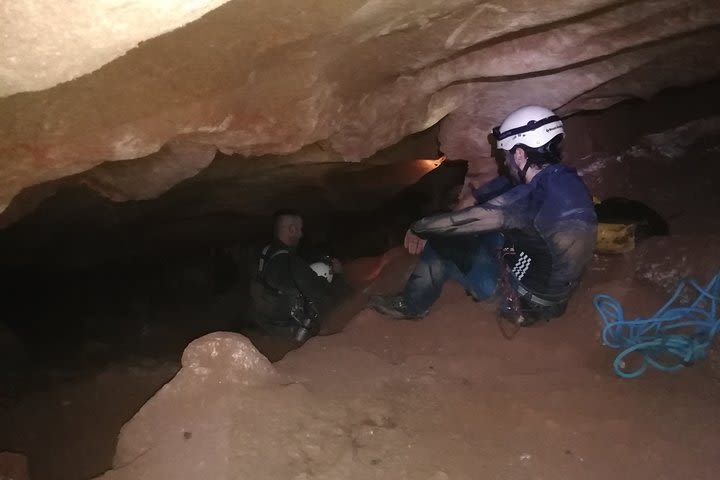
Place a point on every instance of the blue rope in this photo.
(678, 335)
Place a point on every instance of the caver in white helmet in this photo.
(323, 270)
(531, 126)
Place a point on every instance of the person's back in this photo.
(554, 248)
(272, 293)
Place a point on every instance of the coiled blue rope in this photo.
(679, 334)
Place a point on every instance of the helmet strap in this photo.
(530, 160)
(523, 172)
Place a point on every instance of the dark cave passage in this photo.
(87, 281)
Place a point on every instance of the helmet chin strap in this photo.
(523, 172)
(532, 157)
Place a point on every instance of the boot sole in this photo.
(394, 313)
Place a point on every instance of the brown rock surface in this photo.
(446, 397)
(354, 77)
(215, 369)
(109, 101)
(664, 261)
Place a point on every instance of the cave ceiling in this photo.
(132, 98)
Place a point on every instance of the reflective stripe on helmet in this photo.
(532, 126)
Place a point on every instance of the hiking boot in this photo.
(393, 306)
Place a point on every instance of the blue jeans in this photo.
(470, 260)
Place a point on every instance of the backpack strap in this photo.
(263, 263)
(303, 311)
(265, 259)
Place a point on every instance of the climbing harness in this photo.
(519, 307)
(678, 335)
(509, 309)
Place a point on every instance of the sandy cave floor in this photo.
(446, 397)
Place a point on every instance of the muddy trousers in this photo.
(472, 261)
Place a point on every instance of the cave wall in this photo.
(189, 134)
(75, 221)
(353, 77)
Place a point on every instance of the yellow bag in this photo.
(615, 238)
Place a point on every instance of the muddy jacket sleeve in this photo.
(493, 188)
(511, 210)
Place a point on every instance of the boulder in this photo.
(214, 368)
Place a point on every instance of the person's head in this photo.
(530, 139)
(288, 227)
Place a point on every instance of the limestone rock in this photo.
(258, 78)
(444, 398)
(58, 31)
(274, 430)
(227, 357)
(214, 368)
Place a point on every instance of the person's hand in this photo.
(337, 266)
(466, 198)
(414, 244)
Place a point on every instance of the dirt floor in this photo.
(545, 404)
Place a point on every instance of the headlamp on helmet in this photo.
(532, 126)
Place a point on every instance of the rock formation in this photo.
(157, 90)
(140, 138)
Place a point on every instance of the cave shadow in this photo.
(143, 304)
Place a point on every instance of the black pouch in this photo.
(304, 313)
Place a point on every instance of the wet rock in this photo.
(674, 143)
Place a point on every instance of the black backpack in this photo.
(278, 303)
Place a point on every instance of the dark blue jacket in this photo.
(550, 222)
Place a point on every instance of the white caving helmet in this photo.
(323, 270)
(532, 126)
